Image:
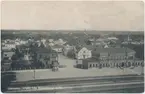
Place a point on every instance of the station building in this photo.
(110, 57)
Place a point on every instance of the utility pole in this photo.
(34, 74)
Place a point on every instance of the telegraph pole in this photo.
(34, 74)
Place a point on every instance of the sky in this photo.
(73, 15)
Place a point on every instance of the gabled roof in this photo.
(89, 47)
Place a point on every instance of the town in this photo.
(74, 54)
(88, 51)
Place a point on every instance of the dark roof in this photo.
(57, 46)
(6, 50)
(6, 61)
(112, 50)
(89, 60)
(90, 47)
(71, 42)
(11, 42)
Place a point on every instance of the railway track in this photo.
(77, 80)
(83, 87)
(79, 85)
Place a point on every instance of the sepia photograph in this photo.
(72, 46)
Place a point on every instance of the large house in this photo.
(57, 48)
(59, 42)
(83, 52)
(110, 57)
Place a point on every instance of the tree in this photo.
(14, 57)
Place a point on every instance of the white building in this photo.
(51, 44)
(44, 42)
(57, 48)
(59, 42)
(82, 53)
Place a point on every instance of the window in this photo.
(138, 63)
(93, 65)
(84, 56)
(90, 65)
(129, 64)
(122, 65)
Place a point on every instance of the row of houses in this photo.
(102, 41)
(11, 44)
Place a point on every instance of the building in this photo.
(51, 44)
(20, 41)
(57, 48)
(50, 40)
(23, 48)
(43, 41)
(46, 56)
(83, 52)
(93, 63)
(59, 42)
(110, 57)
(7, 54)
(113, 53)
(112, 38)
